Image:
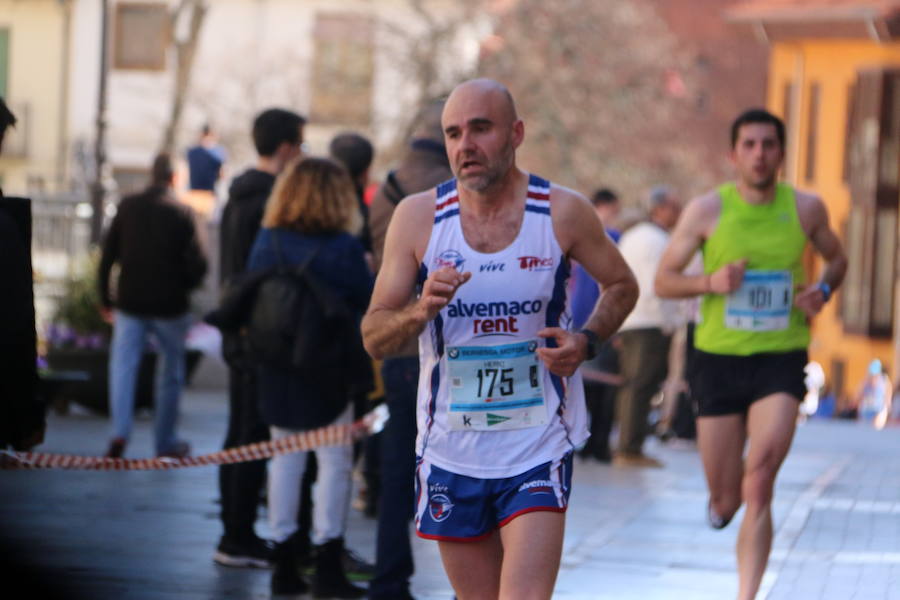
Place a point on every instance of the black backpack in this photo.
(298, 323)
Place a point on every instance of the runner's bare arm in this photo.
(581, 236)
(392, 318)
(695, 225)
(814, 219)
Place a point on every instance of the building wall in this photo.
(252, 55)
(35, 94)
(833, 65)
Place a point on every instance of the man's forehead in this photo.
(757, 130)
(472, 104)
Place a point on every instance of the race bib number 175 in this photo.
(495, 387)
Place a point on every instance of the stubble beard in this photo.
(479, 183)
(492, 175)
(762, 185)
(755, 182)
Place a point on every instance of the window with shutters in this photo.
(873, 169)
(141, 36)
(343, 65)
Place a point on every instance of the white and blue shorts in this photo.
(457, 508)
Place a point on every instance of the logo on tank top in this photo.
(535, 263)
(494, 318)
(439, 507)
(449, 258)
(491, 266)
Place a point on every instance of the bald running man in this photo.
(754, 330)
(500, 400)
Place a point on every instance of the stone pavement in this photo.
(631, 534)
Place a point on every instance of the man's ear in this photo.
(518, 133)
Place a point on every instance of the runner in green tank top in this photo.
(761, 317)
(747, 375)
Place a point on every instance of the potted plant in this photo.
(76, 348)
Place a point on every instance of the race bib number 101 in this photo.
(762, 303)
(495, 387)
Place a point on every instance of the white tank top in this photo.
(487, 407)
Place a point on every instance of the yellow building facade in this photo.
(834, 76)
(33, 81)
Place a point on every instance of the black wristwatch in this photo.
(594, 343)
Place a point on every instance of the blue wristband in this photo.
(825, 289)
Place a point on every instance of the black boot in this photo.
(286, 576)
(329, 580)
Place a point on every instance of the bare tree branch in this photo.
(590, 79)
(185, 50)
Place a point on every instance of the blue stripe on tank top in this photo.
(535, 181)
(422, 275)
(438, 346)
(555, 308)
(557, 303)
(446, 187)
(448, 214)
(536, 209)
(438, 341)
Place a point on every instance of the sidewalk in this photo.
(631, 534)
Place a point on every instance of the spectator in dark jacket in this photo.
(21, 415)
(154, 241)
(312, 209)
(277, 136)
(424, 165)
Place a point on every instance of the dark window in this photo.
(343, 66)
(787, 96)
(787, 114)
(848, 131)
(873, 150)
(141, 36)
(812, 131)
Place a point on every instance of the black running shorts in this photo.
(724, 384)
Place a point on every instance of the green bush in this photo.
(78, 313)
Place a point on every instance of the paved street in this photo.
(631, 534)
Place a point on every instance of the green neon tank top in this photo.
(760, 316)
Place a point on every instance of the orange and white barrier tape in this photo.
(332, 435)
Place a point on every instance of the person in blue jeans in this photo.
(129, 339)
(154, 241)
